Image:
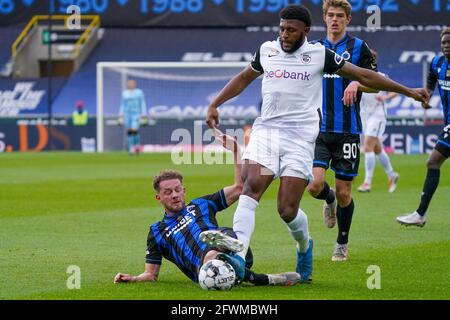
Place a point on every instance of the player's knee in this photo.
(287, 212)
(433, 164)
(343, 196)
(377, 149)
(314, 188)
(251, 189)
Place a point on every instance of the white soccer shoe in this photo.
(219, 240)
(284, 279)
(329, 213)
(340, 252)
(365, 187)
(393, 182)
(412, 219)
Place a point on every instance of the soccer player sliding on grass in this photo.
(189, 236)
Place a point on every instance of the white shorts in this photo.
(374, 127)
(282, 151)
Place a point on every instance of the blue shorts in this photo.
(342, 149)
(443, 142)
(132, 122)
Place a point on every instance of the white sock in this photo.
(386, 163)
(369, 161)
(299, 230)
(244, 221)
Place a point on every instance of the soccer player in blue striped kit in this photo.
(337, 145)
(187, 236)
(439, 74)
(132, 114)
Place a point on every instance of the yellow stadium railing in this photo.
(84, 37)
(22, 38)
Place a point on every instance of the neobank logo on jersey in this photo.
(285, 74)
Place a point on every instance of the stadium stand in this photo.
(9, 35)
(399, 59)
(404, 51)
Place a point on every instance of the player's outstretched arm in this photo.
(232, 192)
(234, 87)
(150, 274)
(366, 89)
(374, 80)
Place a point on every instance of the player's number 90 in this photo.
(350, 150)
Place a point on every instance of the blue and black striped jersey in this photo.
(440, 74)
(336, 117)
(176, 237)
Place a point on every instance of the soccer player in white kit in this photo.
(373, 117)
(283, 138)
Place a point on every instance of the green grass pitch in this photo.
(93, 211)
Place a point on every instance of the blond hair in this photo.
(344, 4)
(166, 175)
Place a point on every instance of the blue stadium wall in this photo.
(401, 57)
(33, 134)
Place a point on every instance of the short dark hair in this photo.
(166, 175)
(296, 12)
(445, 31)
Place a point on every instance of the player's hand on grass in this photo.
(351, 94)
(212, 117)
(122, 277)
(421, 95)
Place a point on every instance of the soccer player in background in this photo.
(374, 117)
(337, 145)
(283, 137)
(189, 236)
(439, 74)
(132, 114)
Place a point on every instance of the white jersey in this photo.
(371, 107)
(292, 85)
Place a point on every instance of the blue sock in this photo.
(130, 139)
(137, 140)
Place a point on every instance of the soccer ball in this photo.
(216, 275)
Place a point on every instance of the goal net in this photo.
(177, 95)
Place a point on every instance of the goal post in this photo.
(173, 91)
